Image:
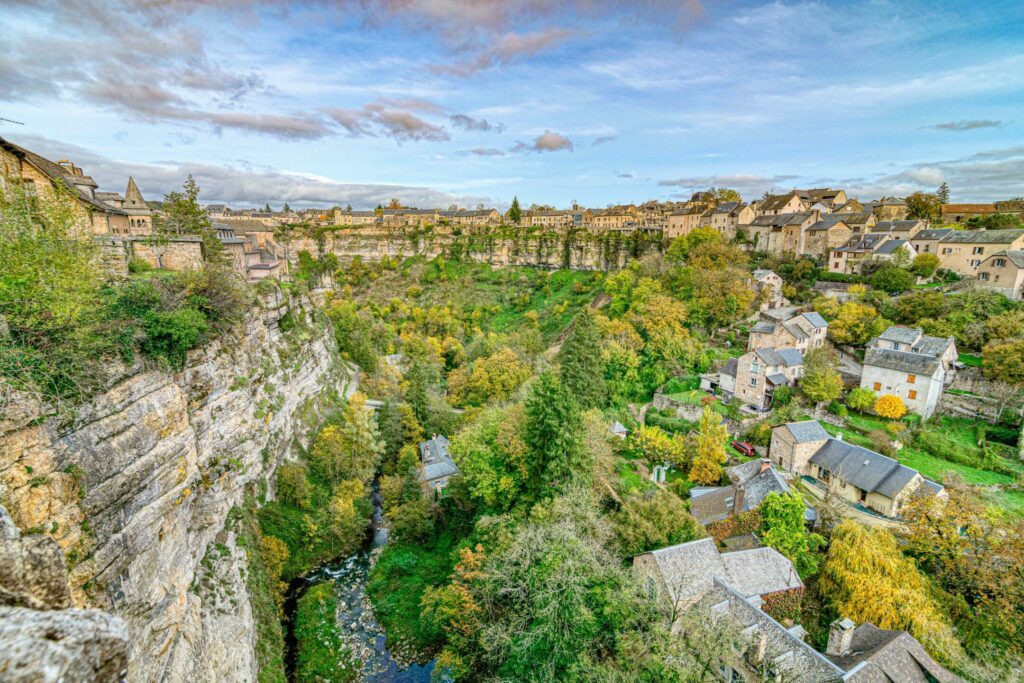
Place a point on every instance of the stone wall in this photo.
(578, 250)
(179, 253)
(137, 485)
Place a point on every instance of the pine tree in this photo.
(582, 364)
(267, 208)
(554, 436)
(515, 214)
(943, 193)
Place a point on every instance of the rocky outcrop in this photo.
(41, 639)
(137, 487)
(578, 250)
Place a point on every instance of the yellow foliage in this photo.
(890, 406)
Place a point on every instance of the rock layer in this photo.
(136, 488)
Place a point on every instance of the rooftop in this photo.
(806, 431)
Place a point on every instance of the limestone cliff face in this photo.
(136, 488)
(579, 250)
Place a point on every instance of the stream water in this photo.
(356, 619)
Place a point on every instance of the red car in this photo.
(744, 448)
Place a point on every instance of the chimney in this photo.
(766, 464)
(840, 637)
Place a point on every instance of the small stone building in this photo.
(1003, 272)
(436, 465)
(907, 363)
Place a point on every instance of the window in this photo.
(863, 496)
(753, 381)
(911, 379)
(978, 250)
(983, 276)
(755, 368)
(895, 346)
(878, 386)
(975, 263)
(912, 394)
(998, 263)
(947, 250)
(836, 265)
(927, 248)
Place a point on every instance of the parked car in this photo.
(744, 448)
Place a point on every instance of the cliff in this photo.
(137, 487)
(578, 249)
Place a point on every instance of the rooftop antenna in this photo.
(11, 121)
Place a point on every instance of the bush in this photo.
(759, 434)
(293, 486)
(861, 399)
(838, 409)
(137, 265)
(413, 522)
(890, 406)
(170, 335)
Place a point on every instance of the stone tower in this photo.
(132, 197)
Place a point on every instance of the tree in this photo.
(266, 208)
(892, 279)
(515, 213)
(856, 323)
(181, 214)
(651, 520)
(821, 382)
(492, 378)
(994, 221)
(293, 486)
(861, 399)
(942, 194)
(553, 435)
(924, 206)
(582, 366)
(865, 577)
(925, 265)
(1003, 359)
(656, 447)
(349, 450)
(492, 457)
(287, 209)
(890, 406)
(709, 448)
(724, 194)
(394, 203)
(782, 528)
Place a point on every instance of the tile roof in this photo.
(1015, 256)
(890, 247)
(808, 430)
(903, 335)
(815, 319)
(783, 219)
(934, 234)
(968, 208)
(889, 656)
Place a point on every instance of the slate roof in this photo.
(890, 247)
(895, 226)
(777, 201)
(689, 569)
(902, 361)
(866, 242)
(889, 656)
(730, 367)
(762, 273)
(984, 236)
(436, 461)
(903, 335)
(934, 234)
(1014, 256)
(726, 207)
(773, 357)
(867, 470)
(763, 328)
(815, 319)
(795, 330)
(777, 379)
(809, 430)
(822, 226)
(783, 219)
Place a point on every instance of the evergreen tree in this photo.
(183, 215)
(267, 208)
(554, 437)
(943, 193)
(515, 214)
(287, 209)
(582, 363)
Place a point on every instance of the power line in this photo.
(11, 121)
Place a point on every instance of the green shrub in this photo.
(413, 522)
(838, 409)
(137, 265)
(170, 335)
(322, 654)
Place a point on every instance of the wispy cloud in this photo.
(486, 152)
(973, 124)
(747, 185)
(466, 122)
(549, 141)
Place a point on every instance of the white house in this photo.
(904, 362)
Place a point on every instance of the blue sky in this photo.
(440, 101)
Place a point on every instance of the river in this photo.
(356, 619)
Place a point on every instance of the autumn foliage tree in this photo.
(865, 577)
(821, 382)
(709, 448)
(890, 406)
(492, 378)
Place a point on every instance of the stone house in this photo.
(769, 286)
(904, 230)
(831, 232)
(356, 217)
(862, 247)
(857, 475)
(961, 213)
(473, 217)
(759, 373)
(904, 362)
(779, 204)
(781, 234)
(927, 241)
(851, 206)
(44, 177)
(615, 218)
(962, 251)
(784, 329)
(828, 197)
(140, 216)
(436, 465)
(890, 209)
(727, 217)
(869, 653)
(750, 483)
(682, 223)
(1003, 272)
(551, 219)
(889, 250)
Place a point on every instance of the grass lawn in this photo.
(934, 468)
(970, 360)
(694, 397)
(1009, 502)
(630, 480)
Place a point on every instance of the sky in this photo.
(439, 102)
